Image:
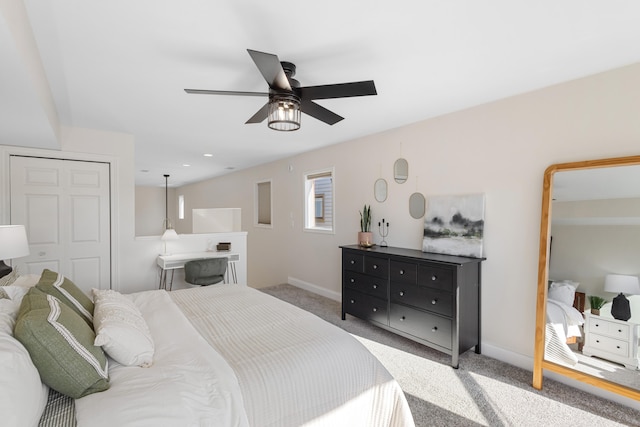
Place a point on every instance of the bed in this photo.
(564, 322)
(230, 355)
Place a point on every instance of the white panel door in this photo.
(64, 205)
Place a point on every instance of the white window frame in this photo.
(256, 204)
(309, 202)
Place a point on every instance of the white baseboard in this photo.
(336, 296)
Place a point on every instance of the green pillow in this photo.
(65, 290)
(61, 346)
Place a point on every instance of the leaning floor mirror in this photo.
(589, 242)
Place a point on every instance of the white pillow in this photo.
(121, 330)
(563, 292)
(8, 314)
(27, 280)
(23, 397)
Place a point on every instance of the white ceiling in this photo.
(122, 65)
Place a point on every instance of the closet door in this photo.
(64, 205)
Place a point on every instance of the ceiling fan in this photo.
(287, 99)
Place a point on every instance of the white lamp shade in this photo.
(619, 283)
(169, 234)
(13, 242)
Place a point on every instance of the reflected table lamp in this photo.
(621, 284)
(13, 244)
(169, 234)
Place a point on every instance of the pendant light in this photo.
(169, 232)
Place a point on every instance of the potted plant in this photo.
(365, 236)
(596, 304)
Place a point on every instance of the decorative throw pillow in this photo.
(9, 278)
(121, 330)
(61, 346)
(65, 290)
(563, 292)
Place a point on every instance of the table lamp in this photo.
(13, 244)
(621, 284)
(169, 234)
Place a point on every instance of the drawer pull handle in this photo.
(434, 301)
(402, 318)
(352, 262)
(598, 341)
(375, 286)
(618, 347)
(401, 272)
(434, 278)
(434, 329)
(375, 266)
(353, 280)
(619, 330)
(375, 309)
(353, 301)
(401, 293)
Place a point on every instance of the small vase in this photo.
(595, 311)
(365, 239)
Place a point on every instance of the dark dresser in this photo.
(430, 298)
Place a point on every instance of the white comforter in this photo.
(245, 358)
(563, 321)
(189, 384)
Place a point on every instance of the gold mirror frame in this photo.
(539, 363)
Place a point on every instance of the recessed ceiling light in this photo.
(144, 170)
(186, 165)
(208, 155)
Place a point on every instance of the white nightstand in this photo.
(611, 339)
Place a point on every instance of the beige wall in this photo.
(151, 209)
(500, 149)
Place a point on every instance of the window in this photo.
(262, 204)
(180, 206)
(319, 208)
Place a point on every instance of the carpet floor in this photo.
(482, 392)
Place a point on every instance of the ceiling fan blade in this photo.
(271, 69)
(340, 90)
(260, 115)
(319, 112)
(224, 92)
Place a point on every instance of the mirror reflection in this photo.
(380, 190)
(401, 171)
(416, 205)
(593, 257)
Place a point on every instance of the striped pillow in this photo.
(65, 290)
(60, 344)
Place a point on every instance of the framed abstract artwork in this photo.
(454, 225)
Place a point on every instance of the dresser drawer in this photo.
(433, 300)
(601, 343)
(375, 286)
(352, 262)
(365, 306)
(435, 277)
(426, 326)
(375, 266)
(403, 272)
(611, 328)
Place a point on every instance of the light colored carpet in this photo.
(482, 392)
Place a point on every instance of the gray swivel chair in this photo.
(206, 271)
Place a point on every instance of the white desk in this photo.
(175, 261)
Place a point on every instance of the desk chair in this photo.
(205, 272)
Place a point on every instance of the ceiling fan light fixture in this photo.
(284, 112)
